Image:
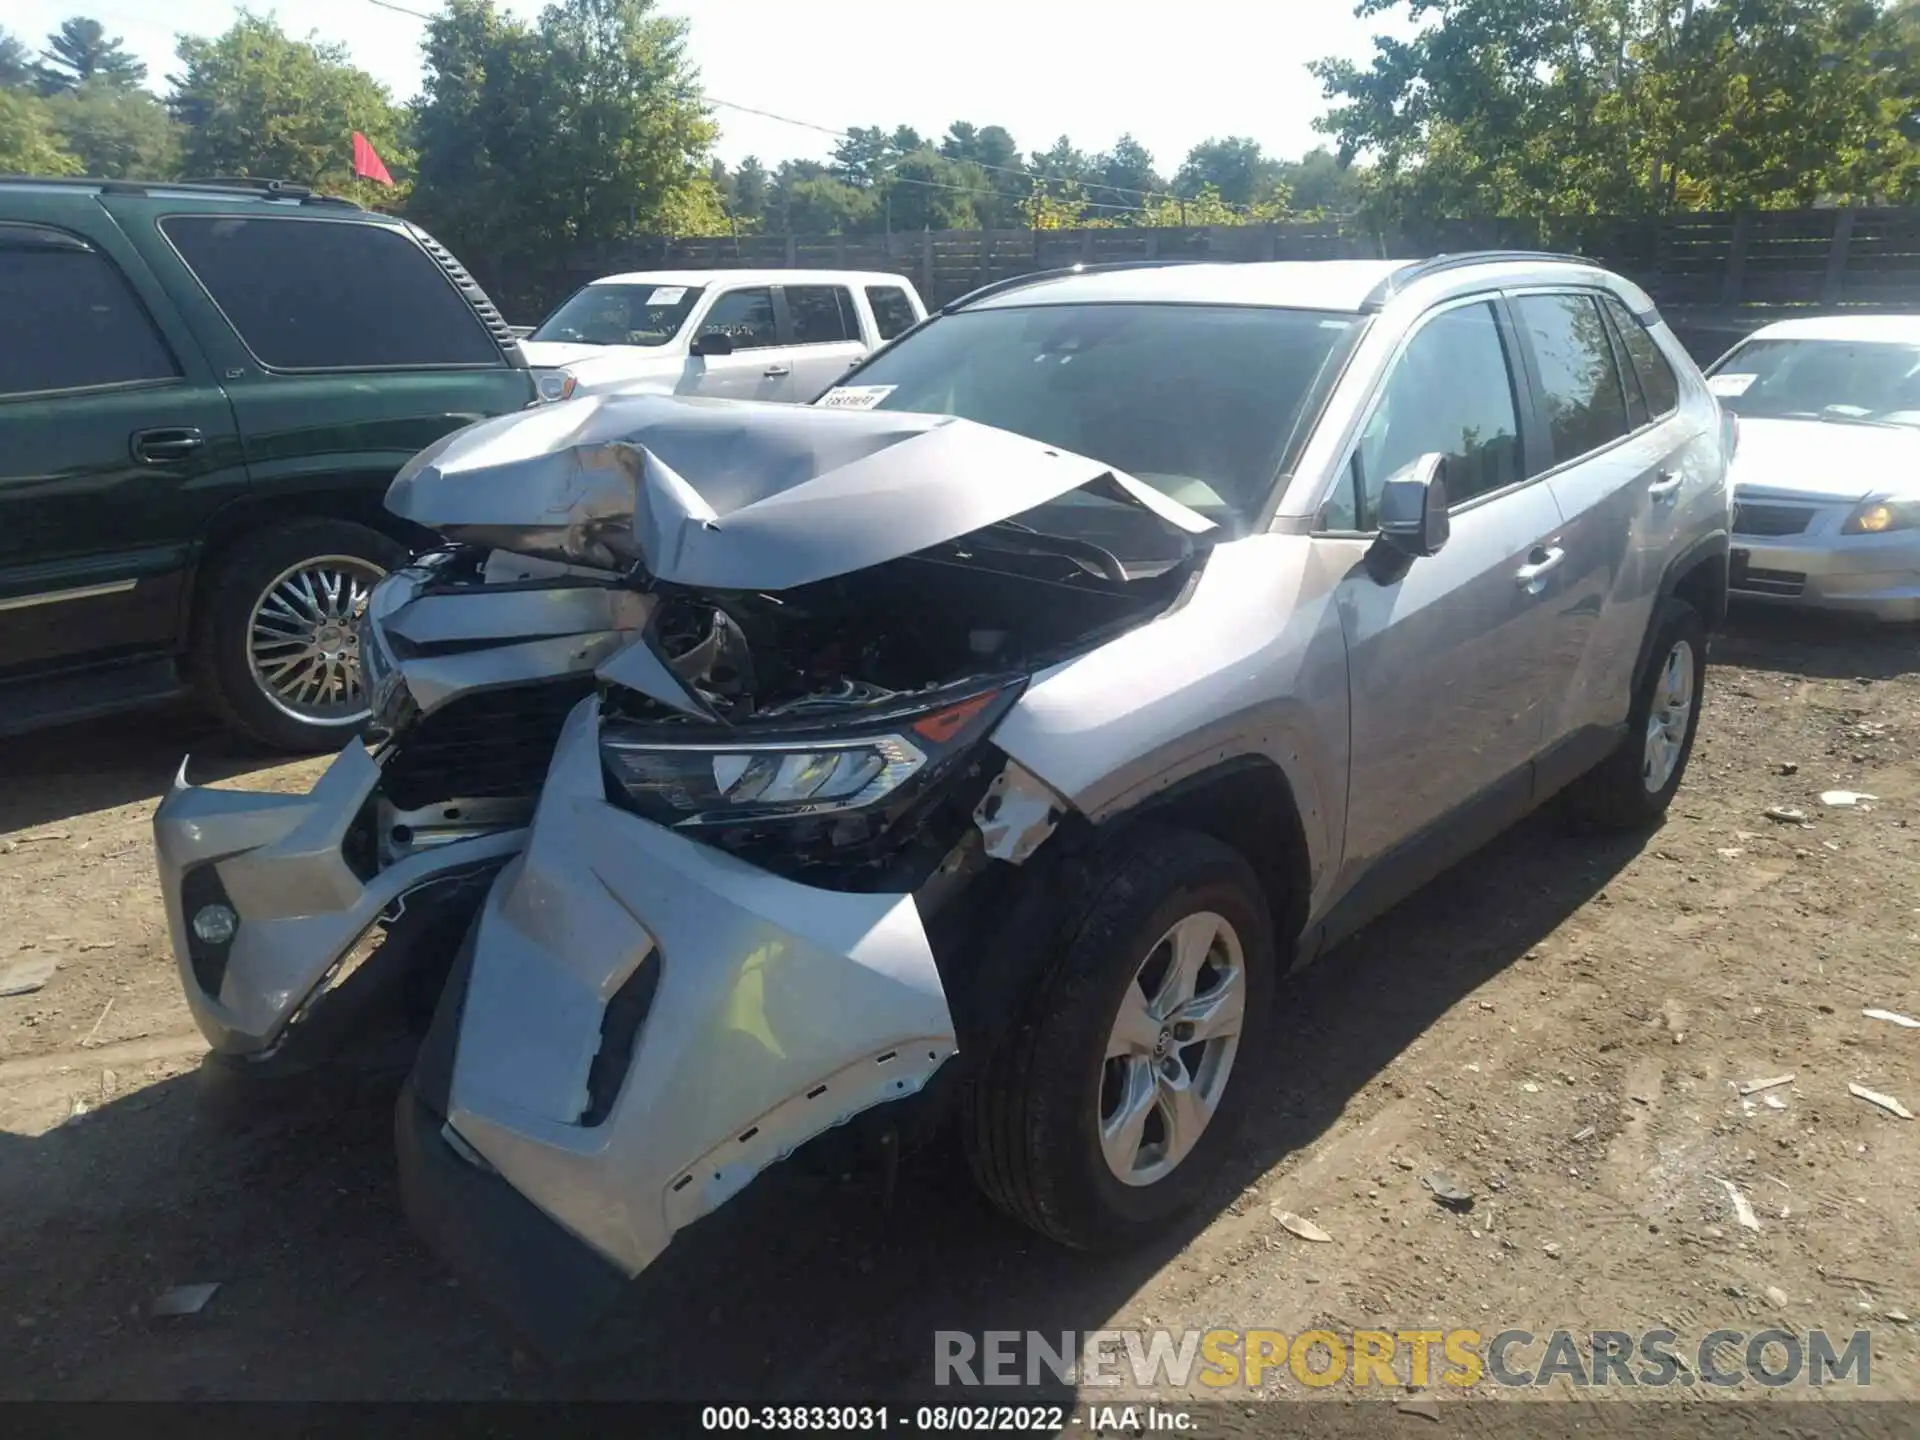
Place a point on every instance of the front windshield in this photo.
(620, 315)
(1821, 380)
(1199, 401)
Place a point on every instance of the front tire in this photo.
(1631, 789)
(1105, 1112)
(276, 645)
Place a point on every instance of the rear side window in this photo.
(892, 311)
(330, 295)
(1450, 393)
(1585, 402)
(70, 321)
(1657, 380)
(821, 314)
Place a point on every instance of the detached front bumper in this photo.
(643, 1025)
(308, 901)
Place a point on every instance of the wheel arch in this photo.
(1698, 575)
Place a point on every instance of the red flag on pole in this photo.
(366, 163)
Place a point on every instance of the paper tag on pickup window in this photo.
(667, 295)
(854, 397)
(1730, 385)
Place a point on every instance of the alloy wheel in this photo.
(303, 639)
(1171, 1048)
(1668, 718)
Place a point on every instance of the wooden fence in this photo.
(1730, 269)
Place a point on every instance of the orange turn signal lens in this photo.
(941, 726)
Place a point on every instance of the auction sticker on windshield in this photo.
(854, 397)
(667, 295)
(1730, 385)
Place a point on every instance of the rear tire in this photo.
(1631, 789)
(1045, 1113)
(258, 637)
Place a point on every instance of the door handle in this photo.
(774, 372)
(1531, 577)
(174, 442)
(1665, 486)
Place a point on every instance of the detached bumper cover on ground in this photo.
(769, 1011)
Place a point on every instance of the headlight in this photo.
(554, 385)
(873, 769)
(1876, 517)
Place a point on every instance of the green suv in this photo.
(204, 391)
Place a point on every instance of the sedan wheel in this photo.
(1171, 1049)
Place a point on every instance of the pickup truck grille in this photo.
(1753, 519)
(495, 744)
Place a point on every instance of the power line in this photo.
(840, 134)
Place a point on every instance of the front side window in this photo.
(70, 321)
(745, 317)
(1586, 403)
(620, 315)
(1867, 381)
(330, 295)
(1450, 393)
(1199, 401)
(892, 311)
(821, 314)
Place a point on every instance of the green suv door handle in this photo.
(169, 443)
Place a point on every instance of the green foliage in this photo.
(581, 127)
(81, 52)
(117, 132)
(29, 144)
(806, 198)
(1536, 107)
(256, 102)
(1236, 169)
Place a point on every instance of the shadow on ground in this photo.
(805, 1287)
(1817, 646)
(99, 764)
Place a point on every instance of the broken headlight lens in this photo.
(767, 774)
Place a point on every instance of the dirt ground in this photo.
(1559, 1026)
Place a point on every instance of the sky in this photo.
(1172, 75)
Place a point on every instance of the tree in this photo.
(256, 102)
(580, 128)
(16, 63)
(1319, 184)
(1127, 176)
(991, 148)
(1536, 107)
(750, 190)
(1236, 169)
(81, 51)
(806, 198)
(29, 145)
(117, 132)
(928, 191)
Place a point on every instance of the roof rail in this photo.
(1019, 282)
(237, 185)
(1416, 270)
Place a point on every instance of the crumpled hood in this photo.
(1815, 457)
(736, 495)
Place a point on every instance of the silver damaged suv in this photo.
(980, 744)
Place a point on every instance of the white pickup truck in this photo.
(782, 335)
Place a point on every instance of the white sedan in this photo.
(1826, 477)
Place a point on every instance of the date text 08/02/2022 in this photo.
(936, 1419)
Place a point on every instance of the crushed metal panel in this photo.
(734, 495)
(1017, 814)
(767, 991)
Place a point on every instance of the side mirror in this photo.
(1413, 508)
(713, 342)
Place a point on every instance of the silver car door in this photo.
(823, 337)
(757, 369)
(1614, 478)
(1448, 656)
